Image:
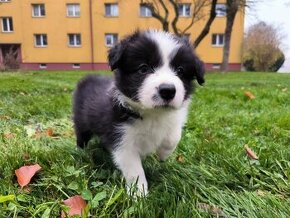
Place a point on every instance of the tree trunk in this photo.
(232, 9)
(206, 28)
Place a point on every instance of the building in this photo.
(76, 34)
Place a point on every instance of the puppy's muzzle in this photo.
(167, 91)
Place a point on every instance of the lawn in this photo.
(209, 175)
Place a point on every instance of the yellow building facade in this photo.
(76, 34)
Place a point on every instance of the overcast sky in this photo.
(275, 12)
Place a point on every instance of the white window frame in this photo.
(75, 40)
(5, 0)
(218, 42)
(42, 44)
(76, 9)
(10, 27)
(113, 37)
(147, 11)
(113, 9)
(76, 66)
(184, 6)
(42, 66)
(38, 7)
(220, 10)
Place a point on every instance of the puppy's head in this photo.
(155, 68)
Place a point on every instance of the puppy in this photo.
(144, 107)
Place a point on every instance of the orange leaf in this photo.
(249, 95)
(77, 206)
(25, 173)
(49, 132)
(250, 153)
(9, 135)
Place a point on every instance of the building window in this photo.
(76, 66)
(111, 10)
(216, 66)
(184, 10)
(40, 40)
(145, 11)
(73, 10)
(74, 40)
(5, 0)
(221, 10)
(38, 10)
(218, 39)
(111, 39)
(7, 24)
(42, 66)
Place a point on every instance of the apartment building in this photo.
(76, 34)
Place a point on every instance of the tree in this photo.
(161, 11)
(262, 48)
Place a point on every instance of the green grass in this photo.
(216, 179)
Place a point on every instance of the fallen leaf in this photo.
(250, 153)
(49, 132)
(217, 211)
(249, 95)
(4, 117)
(180, 159)
(76, 205)
(284, 90)
(25, 173)
(9, 135)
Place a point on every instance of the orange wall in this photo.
(57, 25)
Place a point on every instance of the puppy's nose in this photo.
(167, 91)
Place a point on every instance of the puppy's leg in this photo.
(169, 144)
(83, 138)
(129, 162)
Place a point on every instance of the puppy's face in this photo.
(155, 69)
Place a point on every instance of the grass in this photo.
(209, 175)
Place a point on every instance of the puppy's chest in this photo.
(148, 134)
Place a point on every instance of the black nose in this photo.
(167, 91)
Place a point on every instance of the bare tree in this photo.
(233, 6)
(161, 11)
(262, 48)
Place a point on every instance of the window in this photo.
(74, 40)
(111, 39)
(218, 39)
(7, 24)
(111, 10)
(5, 0)
(38, 10)
(216, 66)
(184, 10)
(76, 66)
(42, 66)
(40, 40)
(73, 10)
(145, 11)
(221, 10)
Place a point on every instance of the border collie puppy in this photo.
(144, 107)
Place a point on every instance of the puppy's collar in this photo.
(125, 107)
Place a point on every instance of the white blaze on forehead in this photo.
(166, 43)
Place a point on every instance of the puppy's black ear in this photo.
(199, 71)
(115, 55)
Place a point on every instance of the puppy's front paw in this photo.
(137, 190)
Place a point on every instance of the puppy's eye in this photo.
(180, 70)
(144, 68)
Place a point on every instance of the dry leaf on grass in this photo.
(249, 95)
(25, 173)
(250, 153)
(76, 205)
(180, 159)
(9, 135)
(217, 211)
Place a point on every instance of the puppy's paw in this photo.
(137, 190)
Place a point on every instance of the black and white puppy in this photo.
(143, 108)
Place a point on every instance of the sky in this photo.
(276, 12)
